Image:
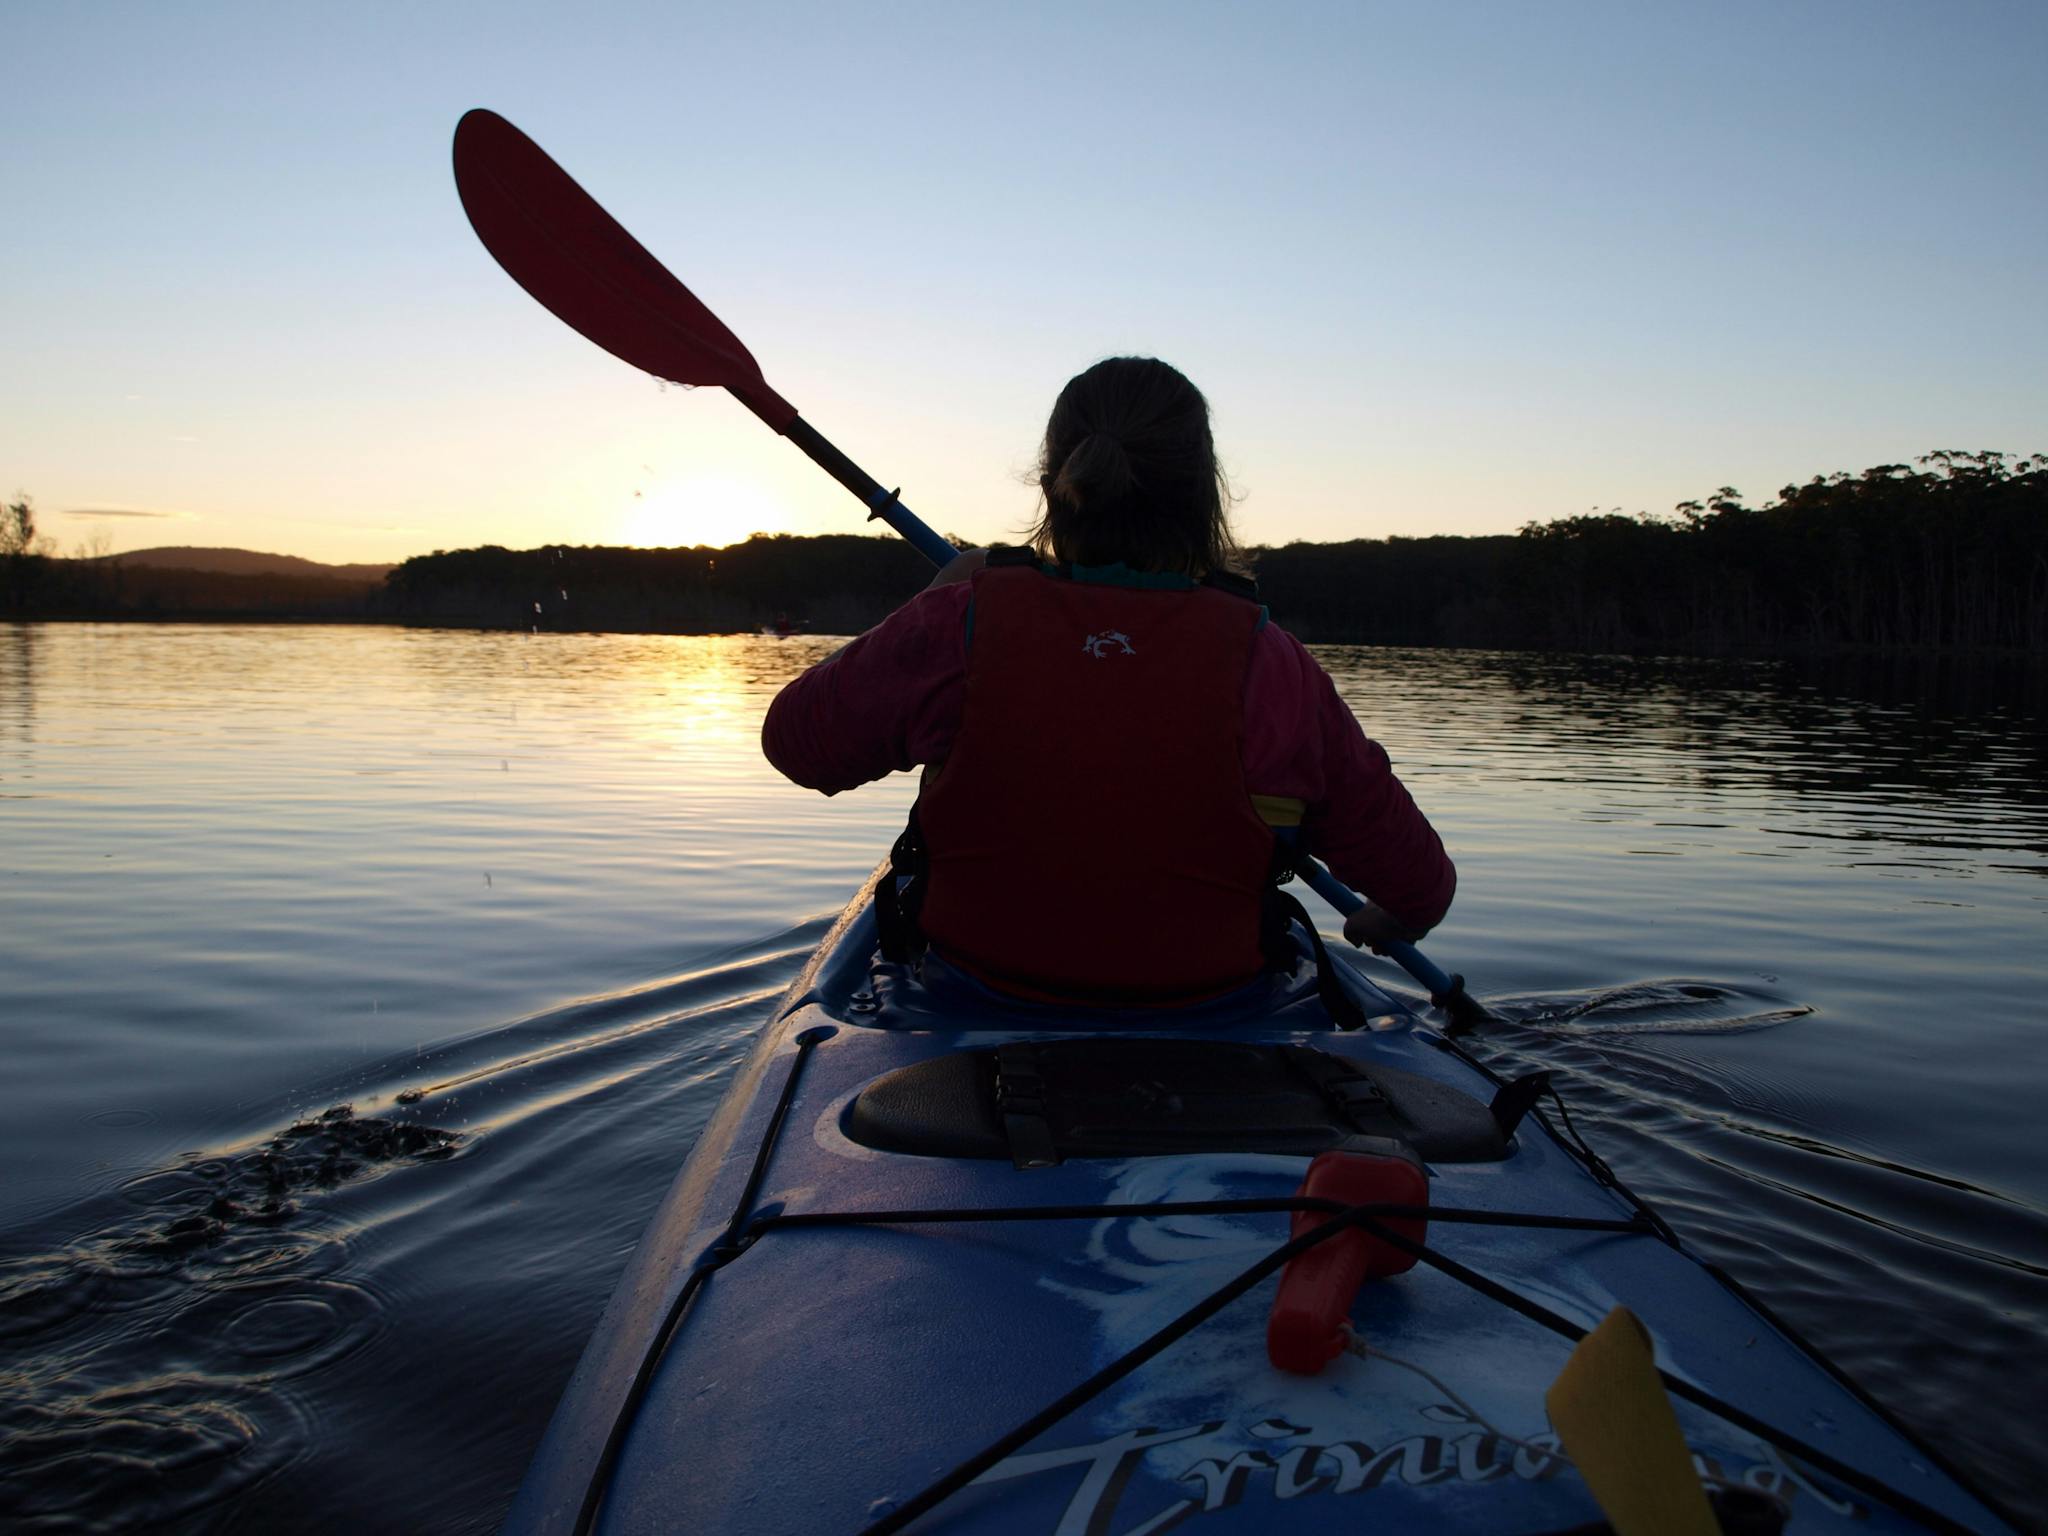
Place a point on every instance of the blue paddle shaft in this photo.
(1407, 956)
(877, 498)
(923, 538)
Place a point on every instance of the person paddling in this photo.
(1117, 745)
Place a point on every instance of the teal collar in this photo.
(1121, 575)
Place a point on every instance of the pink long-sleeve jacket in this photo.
(891, 700)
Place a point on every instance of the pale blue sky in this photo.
(1439, 268)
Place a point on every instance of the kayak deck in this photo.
(769, 1364)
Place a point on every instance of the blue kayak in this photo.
(949, 1262)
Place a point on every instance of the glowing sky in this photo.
(1439, 268)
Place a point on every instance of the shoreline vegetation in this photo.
(1949, 554)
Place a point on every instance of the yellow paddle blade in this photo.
(1619, 1429)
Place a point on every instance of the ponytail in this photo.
(1129, 473)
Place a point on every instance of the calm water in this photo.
(1782, 935)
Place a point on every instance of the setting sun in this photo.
(707, 508)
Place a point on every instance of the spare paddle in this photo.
(582, 266)
(1621, 1432)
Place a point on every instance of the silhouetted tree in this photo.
(24, 553)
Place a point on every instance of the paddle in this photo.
(581, 264)
(1462, 1011)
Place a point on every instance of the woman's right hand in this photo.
(1373, 927)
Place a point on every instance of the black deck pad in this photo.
(1153, 1097)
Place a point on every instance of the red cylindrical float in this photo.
(1306, 1329)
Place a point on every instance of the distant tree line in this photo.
(832, 584)
(1947, 554)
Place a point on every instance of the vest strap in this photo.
(899, 895)
(1236, 585)
(1343, 1010)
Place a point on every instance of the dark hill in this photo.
(243, 562)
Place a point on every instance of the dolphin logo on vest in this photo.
(1098, 646)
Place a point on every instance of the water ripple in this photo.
(169, 1355)
(1673, 1007)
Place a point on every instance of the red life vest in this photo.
(1090, 836)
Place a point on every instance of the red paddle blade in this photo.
(579, 262)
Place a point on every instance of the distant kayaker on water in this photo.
(1111, 732)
